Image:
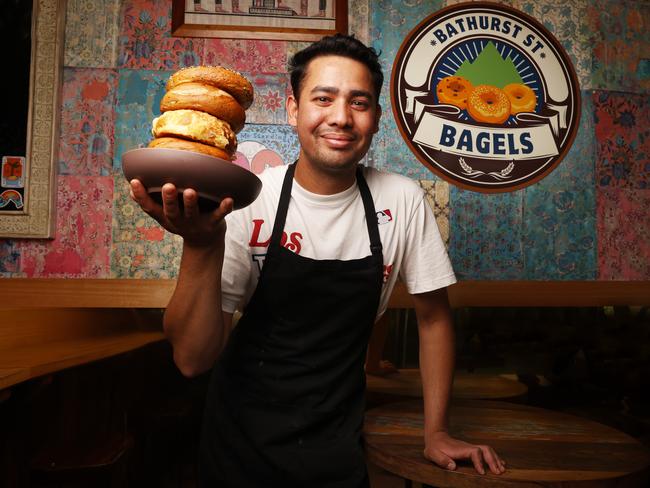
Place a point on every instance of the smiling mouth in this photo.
(337, 140)
(337, 135)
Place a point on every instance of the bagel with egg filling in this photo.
(205, 98)
(196, 126)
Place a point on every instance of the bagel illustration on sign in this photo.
(487, 103)
(522, 98)
(454, 90)
(485, 96)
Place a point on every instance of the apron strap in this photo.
(283, 206)
(371, 214)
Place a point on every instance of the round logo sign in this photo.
(485, 97)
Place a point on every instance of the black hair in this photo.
(338, 45)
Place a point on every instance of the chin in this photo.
(338, 160)
(342, 165)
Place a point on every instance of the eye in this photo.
(323, 99)
(360, 103)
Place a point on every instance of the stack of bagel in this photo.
(202, 111)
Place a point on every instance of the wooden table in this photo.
(407, 383)
(540, 447)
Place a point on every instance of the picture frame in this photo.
(291, 20)
(35, 216)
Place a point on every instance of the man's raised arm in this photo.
(193, 322)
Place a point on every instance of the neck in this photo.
(324, 182)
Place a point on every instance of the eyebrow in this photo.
(334, 91)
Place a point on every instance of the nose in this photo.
(340, 114)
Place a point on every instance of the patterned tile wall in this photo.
(390, 22)
(559, 228)
(91, 33)
(621, 51)
(590, 219)
(623, 184)
(569, 22)
(486, 235)
(82, 245)
(87, 121)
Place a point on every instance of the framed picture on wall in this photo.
(29, 132)
(293, 20)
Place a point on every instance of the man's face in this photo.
(337, 113)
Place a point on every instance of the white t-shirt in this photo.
(334, 227)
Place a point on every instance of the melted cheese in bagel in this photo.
(197, 126)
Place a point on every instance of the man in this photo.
(312, 269)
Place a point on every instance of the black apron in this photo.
(286, 398)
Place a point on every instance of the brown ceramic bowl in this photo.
(212, 178)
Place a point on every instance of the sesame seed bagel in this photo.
(205, 98)
(487, 103)
(196, 126)
(218, 76)
(185, 145)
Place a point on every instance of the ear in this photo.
(292, 110)
(377, 117)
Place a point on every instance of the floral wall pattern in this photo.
(588, 220)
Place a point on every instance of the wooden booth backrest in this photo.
(131, 293)
(47, 325)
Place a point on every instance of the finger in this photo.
(491, 459)
(440, 459)
(137, 190)
(190, 204)
(143, 199)
(170, 202)
(477, 460)
(224, 208)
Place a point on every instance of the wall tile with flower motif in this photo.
(623, 139)
(270, 98)
(83, 232)
(559, 229)
(145, 40)
(623, 234)
(569, 24)
(390, 22)
(621, 50)
(141, 248)
(91, 31)
(87, 121)
(138, 103)
(359, 19)
(486, 235)
(246, 55)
